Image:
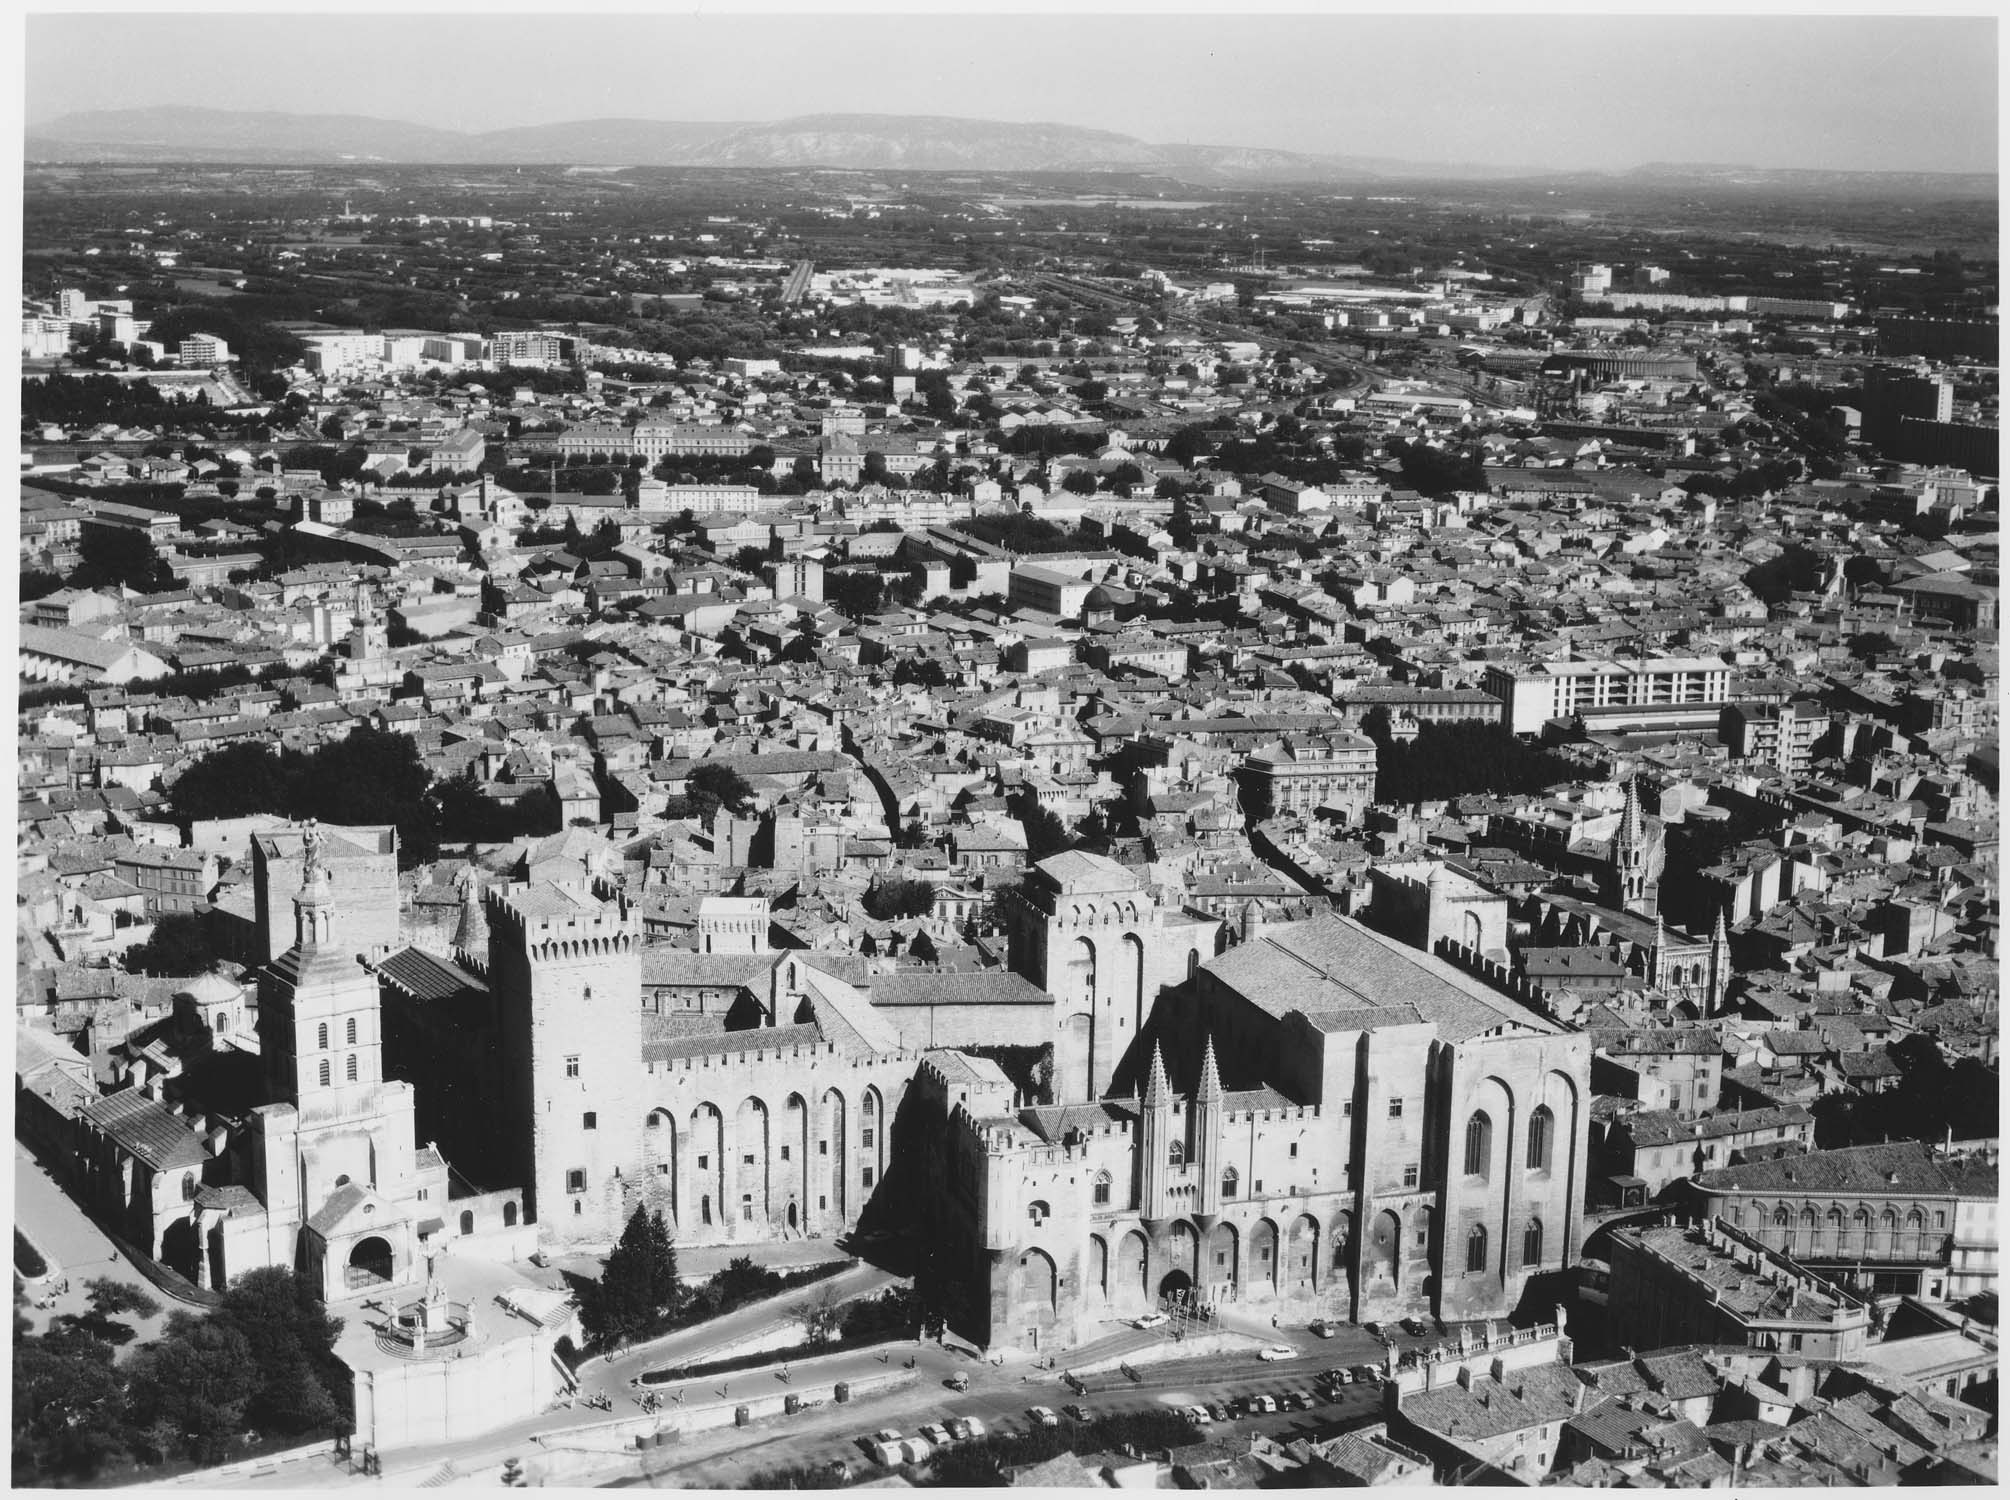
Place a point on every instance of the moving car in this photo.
(1416, 1326)
(1277, 1351)
(1152, 1320)
(1044, 1416)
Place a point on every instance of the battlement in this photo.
(558, 922)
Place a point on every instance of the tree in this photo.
(665, 1289)
(292, 1344)
(620, 1304)
(198, 1378)
(179, 945)
(36, 583)
(821, 1314)
(231, 782)
(893, 899)
(113, 557)
(1079, 482)
(68, 1408)
(713, 785)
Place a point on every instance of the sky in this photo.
(1586, 89)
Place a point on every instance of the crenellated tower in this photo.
(566, 971)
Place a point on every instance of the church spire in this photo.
(1632, 830)
(1158, 1092)
(1209, 1091)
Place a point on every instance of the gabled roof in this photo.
(148, 1130)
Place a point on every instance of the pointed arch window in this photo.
(1102, 1190)
(1540, 1124)
(1531, 1243)
(1479, 1143)
(1176, 1154)
(1231, 1182)
(1476, 1249)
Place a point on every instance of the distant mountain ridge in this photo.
(861, 142)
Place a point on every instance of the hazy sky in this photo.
(1588, 89)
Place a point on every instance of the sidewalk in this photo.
(692, 1345)
(75, 1248)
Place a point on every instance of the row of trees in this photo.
(1458, 760)
(260, 1366)
(369, 776)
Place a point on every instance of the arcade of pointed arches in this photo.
(750, 1170)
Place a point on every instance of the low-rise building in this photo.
(1710, 1283)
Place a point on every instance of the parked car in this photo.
(1152, 1320)
(1076, 1410)
(1300, 1400)
(1322, 1329)
(963, 1429)
(1373, 1330)
(1044, 1416)
(958, 1382)
(1261, 1405)
(1416, 1326)
(917, 1449)
(888, 1435)
(1366, 1374)
(1197, 1414)
(1218, 1411)
(1276, 1352)
(937, 1434)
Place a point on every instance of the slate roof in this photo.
(1335, 964)
(147, 1129)
(426, 976)
(1865, 1170)
(989, 987)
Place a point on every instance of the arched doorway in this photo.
(1301, 1256)
(1037, 1282)
(1262, 1273)
(1175, 1287)
(1132, 1257)
(1099, 1270)
(509, 1214)
(1223, 1267)
(370, 1262)
(179, 1247)
(792, 1214)
(1385, 1246)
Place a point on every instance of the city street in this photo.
(76, 1248)
(1000, 1399)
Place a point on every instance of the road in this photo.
(999, 1398)
(617, 1377)
(76, 1247)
